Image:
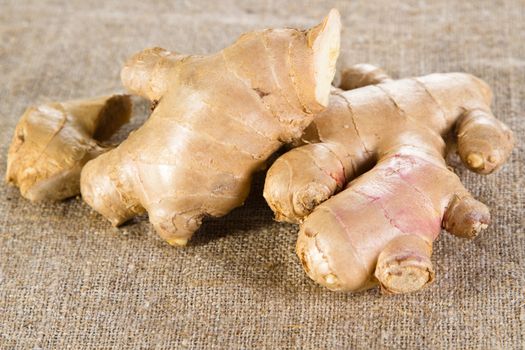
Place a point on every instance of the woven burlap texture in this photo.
(68, 280)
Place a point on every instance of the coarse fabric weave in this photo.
(68, 280)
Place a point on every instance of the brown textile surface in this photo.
(70, 280)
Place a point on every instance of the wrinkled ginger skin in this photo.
(52, 143)
(379, 228)
(217, 120)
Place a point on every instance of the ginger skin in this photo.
(52, 143)
(216, 121)
(381, 225)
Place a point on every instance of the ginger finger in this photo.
(360, 75)
(218, 119)
(52, 143)
(484, 143)
(380, 228)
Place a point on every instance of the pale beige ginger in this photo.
(52, 142)
(359, 228)
(216, 120)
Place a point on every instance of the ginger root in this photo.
(216, 120)
(52, 143)
(381, 225)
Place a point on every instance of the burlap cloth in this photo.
(69, 280)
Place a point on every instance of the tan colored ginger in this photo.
(52, 143)
(216, 121)
(380, 227)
